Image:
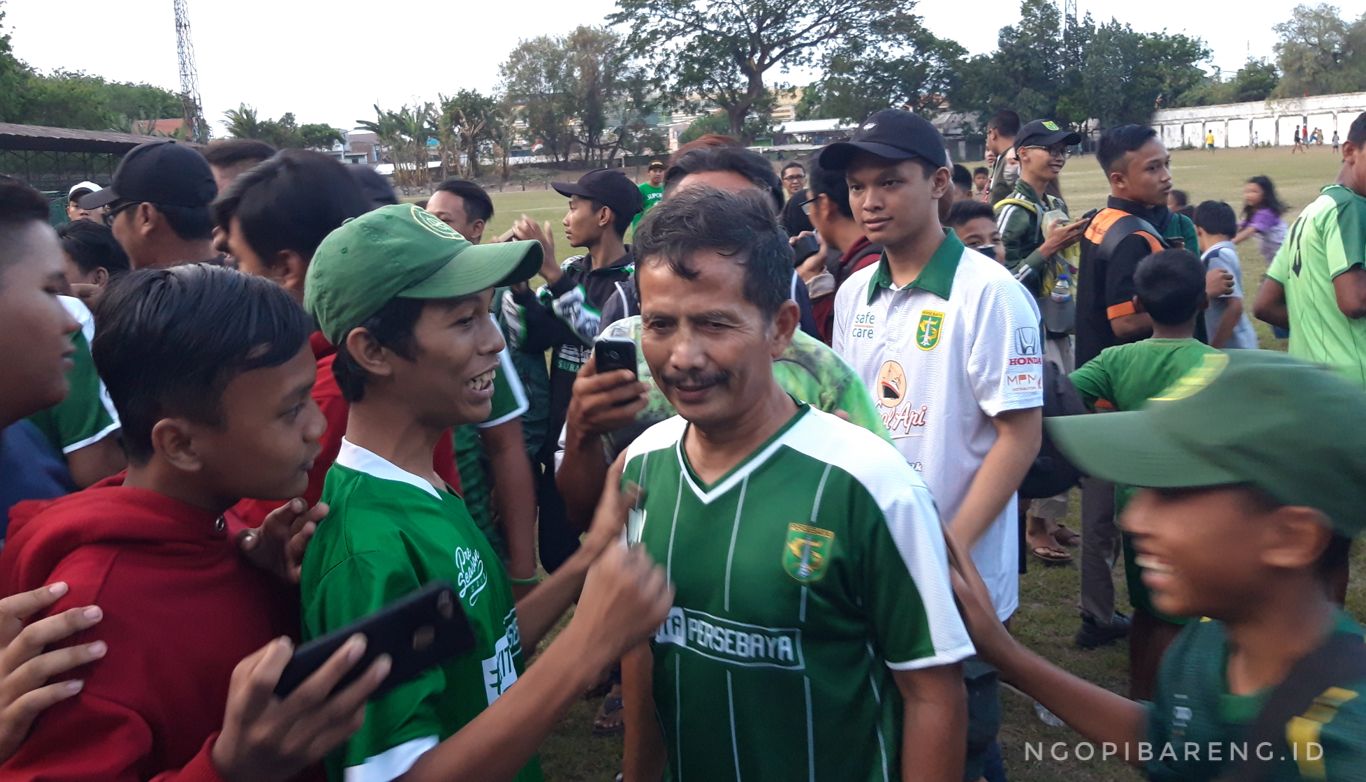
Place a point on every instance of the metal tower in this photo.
(1069, 13)
(189, 77)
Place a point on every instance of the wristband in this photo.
(533, 581)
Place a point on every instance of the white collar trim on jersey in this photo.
(754, 462)
(356, 458)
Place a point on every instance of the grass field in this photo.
(1047, 618)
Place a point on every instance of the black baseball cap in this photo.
(659, 164)
(1045, 133)
(892, 134)
(159, 172)
(607, 186)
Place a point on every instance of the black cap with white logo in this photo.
(609, 187)
(891, 134)
(159, 172)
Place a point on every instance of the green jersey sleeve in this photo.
(509, 396)
(404, 723)
(1092, 381)
(87, 415)
(1344, 235)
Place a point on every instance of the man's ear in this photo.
(1118, 180)
(1138, 305)
(784, 324)
(289, 271)
(101, 276)
(173, 439)
(605, 217)
(940, 182)
(366, 351)
(1296, 538)
(477, 228)
(146, 217)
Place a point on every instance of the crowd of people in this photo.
(253, 398)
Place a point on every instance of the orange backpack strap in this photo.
(1111, 226)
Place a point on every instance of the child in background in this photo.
(1225, 321)
(1170, 288)
(1262, 217)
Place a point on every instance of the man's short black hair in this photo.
(19, 204)
(1356, 134)
(620, 221)
(740, 226)
(190, 223)
(1171, 286)
(792, 164)
(478, 205)
(290, 202)
(1180, 197)
(1119, 141)
(983, 170)
(92, 246)
(966, 210)
(170, 341)
(1005, 122)
(230, 152)
(1216, 217)
(392, 327)
(750, 165)
(961, 176)
(832, 185)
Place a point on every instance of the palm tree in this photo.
(244, 123)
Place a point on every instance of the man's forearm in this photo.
(580, 476)
(1270, 306)
(643, 757)
(1002, 471)
(542, 608)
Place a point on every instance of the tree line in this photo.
(600, 92)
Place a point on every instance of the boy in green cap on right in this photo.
(405, 299)
(1253, 471)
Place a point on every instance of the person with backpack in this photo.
(1265, 684)
(828, 208)
(1040, 242)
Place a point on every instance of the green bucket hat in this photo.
(1294, 430)
(403, 252)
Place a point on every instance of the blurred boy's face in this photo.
(582, 223)
(981, 181)
(981, 234)
(267, 436)
(1354, 167)
(1201, 551)
(893, 201)
(35, 329)
(449, 380)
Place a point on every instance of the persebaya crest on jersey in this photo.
(807, 551)
(928, 331)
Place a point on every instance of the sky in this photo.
(332, 61)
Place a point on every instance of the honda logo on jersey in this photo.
(1027, 341)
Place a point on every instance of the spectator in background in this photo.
(981, 183)
(1317, 283)
(1225, 322)
(794, 218)
(1262, 216)
(230, 158)
(652, 189)
(92, 254)
(158, 205)
(962, 182)
(74, 212)
(829, 210)
(1001, 130)
(975, 224)
(1179, 203)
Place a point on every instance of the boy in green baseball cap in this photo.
(405, 299)
(1253, 476)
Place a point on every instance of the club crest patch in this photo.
(806, 552)
(928, 330)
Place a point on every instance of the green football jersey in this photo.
(652, 195)
(804, 578)
(388, 533)
(1195, 725)
(1328, 239)
(87, 414)
(808, 370)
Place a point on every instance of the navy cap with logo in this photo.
(159, 172)
(609, 187)
(891, 134)
(1045, 133)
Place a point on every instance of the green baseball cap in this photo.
(401, 251)
(1294, 430)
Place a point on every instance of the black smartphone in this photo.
(418, 631)
(613, 353)
(804, 248)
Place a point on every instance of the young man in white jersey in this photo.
(949, 345)
(810, 636)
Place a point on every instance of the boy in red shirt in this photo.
(211, 372)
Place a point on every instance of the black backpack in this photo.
(1051, 473)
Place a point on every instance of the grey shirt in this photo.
(1225, 256)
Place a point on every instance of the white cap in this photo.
(88, 186)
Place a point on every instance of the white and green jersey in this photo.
(803, 578)
(388, 533)
(87, 415)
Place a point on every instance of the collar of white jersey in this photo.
(354, 457)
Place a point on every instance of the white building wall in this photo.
(1272, 122)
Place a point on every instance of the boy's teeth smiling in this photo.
(1149, 562)
(481, 382)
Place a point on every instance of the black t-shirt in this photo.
(1105, 285)
(794, 219)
